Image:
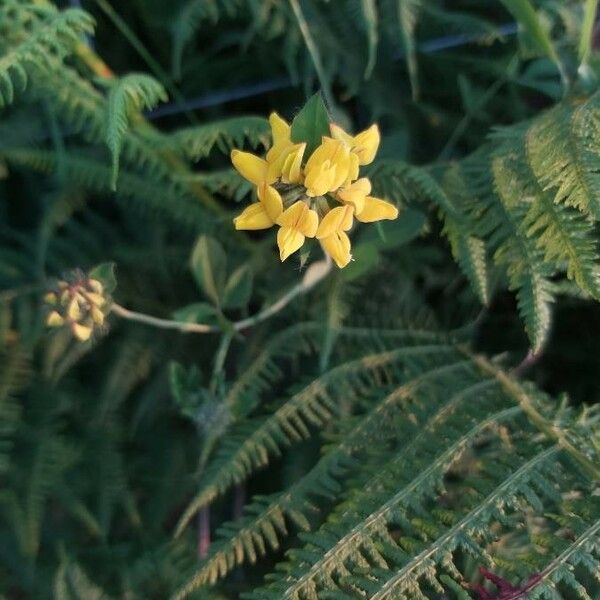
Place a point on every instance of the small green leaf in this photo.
(209, 267)
(199, 312)
(105, 274)
(238, 288)
(181, 380)
(311, 123)
(186, 388)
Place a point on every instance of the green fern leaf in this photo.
(130, 94)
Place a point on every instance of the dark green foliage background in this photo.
(100, 443)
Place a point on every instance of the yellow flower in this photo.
(355, 193)
(364, 144)
(262, 214)
(297, 223)
(376, 209)
(284, 157)
(252, 168)
(333, 236)
(81, 332)
(280, 129)
(54, 319)
(291, 169)
(328, 168)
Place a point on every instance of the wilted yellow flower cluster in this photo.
(317, 198)
(79, 304)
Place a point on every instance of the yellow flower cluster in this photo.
(79, 304)
(319, 198)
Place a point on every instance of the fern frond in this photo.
(72, 583)
(252, 444)
(527, 272)
(562, 147)
(40, 48)
(93, 174)
(198, 142)
(131, 93)
(266, 517)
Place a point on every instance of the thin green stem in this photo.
(220, 358)
(587, 28)
(313, 50)
(314, 274)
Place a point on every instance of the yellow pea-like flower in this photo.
(291, 169)
(81, 332)
(376, 209)
(262, 214)
(96, 286)
(253, 217)
(74, 310)
(252, 167)
(355, 193)
(319, 180)
(54, 319)
(280, 129)
(297, 223)
(364, 144)
(328, 167)
(282, 146)
(271, 200)
(97, 315)
(332, 234)
(96, 299)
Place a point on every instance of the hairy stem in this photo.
(315, 273)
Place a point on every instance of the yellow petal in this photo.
(355, 193)
(96, 299)
(271, 201)
(81, 332)
(339, 134)
(335, 154)
(300, 218)
(353, 170)
(73, 311)
(336, 220)
(96, 286)
(97, 315)
(253, 217)
(376, 209)
(54, 319)
(276, 157)
(338, 247)
(319, 156)
(251, 167)
(319, 179)
(291, 171)
(280, 130)
(366, 144)
(342, 170)
(289, 240)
